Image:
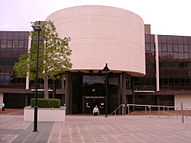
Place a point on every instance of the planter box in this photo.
(45, 114)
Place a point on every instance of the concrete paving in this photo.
(93, 129)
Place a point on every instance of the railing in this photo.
(162, 110)
(148, 108)
(119, 107)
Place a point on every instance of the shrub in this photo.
(46, 103)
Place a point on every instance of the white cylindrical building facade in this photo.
(102, 34)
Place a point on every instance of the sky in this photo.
(167, 17)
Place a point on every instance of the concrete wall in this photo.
(45, 114)
(102, 34)
(186, 99)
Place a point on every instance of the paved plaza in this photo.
(94, 129)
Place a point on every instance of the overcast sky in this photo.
(167, 17)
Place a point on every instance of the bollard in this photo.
(128, 109)
(149, 111)
(159, 111)
(145, 110)
(182, 113)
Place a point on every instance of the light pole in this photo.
(38, 29)
(106, 69)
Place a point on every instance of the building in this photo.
(144, 68)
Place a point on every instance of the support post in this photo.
(182, 111)
(106, 69)
(106, 94)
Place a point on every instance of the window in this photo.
(9, 44)
(186, 48)
(171, 81)
(152, 47)
(164, 47)
(186, 55)
(180, 47)
(147, 47)
(15, 44)
(175, 48)
(182, 81)
(176, 81)
(6, 78)
(175, 54)
(21, 44)
(181, 56)
(169, 47)
(1, 78)
(188, 82)
(3, 44)
(166, 81)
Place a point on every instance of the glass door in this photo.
(89, 102)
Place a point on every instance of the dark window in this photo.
(4, 35)
(15, 44)
(175, 55)
(166, 81)
(177, 81)
(171, 81)
(186, 48)
(185, 39)
(181, 56)
(8, 61)
(1, 78)
(188, 82)
(182, 81)
(7, 78)
(175, 48)
(164, 47)
(180, 47)
(3, 44)
(189, 47)
(181, 65)
(148, 47)
(21, 44)
(169, 39)
(169, 47)
(152, 47)
(9, 44)
(9, 35)
(186, 55)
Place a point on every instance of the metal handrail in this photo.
(114, 111)
(153, 105)
(147, 107)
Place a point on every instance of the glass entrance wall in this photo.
(113, 99)
(93, 85)
(88, 90)
(89, 102)
(93, 93)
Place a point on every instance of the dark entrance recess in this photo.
(89, 102)
(87, 90)
(14, 100)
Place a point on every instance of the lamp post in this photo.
(106, 69)
(38, 29)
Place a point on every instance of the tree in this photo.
(54, 55)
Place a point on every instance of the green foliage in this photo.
(53, 55)
(46, 103)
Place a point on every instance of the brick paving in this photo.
(121, 129)
(94, 129)
(12, 112)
